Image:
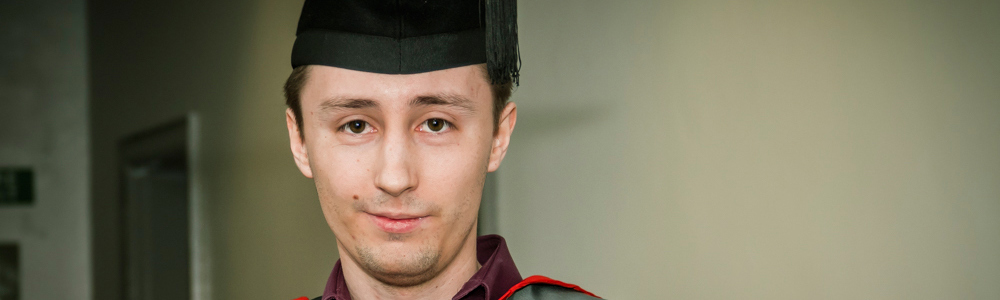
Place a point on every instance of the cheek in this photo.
(342, 169)
(342, 176)
(454, 181)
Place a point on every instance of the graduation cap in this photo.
(409, 36)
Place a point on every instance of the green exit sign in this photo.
(17, 186)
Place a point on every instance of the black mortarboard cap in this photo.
(407, 37)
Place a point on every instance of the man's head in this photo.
(397, 110)
(399, 161)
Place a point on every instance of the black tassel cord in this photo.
(503, 57)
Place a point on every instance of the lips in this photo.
(396, 223)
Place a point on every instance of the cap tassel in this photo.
(503, 55)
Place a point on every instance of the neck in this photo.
(443, 286)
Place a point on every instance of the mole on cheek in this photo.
(355, 197)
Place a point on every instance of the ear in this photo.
(298, 146)
(502, 138)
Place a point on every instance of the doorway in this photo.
(156, 214)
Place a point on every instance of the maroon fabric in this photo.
(497, 275)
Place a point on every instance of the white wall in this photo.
(43, 125)
(758, 149)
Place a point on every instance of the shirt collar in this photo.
(497, 274)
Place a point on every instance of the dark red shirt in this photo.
(497, 275)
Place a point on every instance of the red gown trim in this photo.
(538, 279)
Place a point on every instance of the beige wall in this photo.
(156, 61)
(758, 149)
(685, 149)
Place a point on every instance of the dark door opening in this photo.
(156, 214)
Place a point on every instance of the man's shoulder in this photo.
(541, 287)
(545, 291)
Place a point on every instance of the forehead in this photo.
(324, 82)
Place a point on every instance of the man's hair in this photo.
(293, 88)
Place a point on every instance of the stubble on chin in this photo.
(405, 270)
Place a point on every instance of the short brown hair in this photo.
(293, 88)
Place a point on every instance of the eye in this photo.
(356, 127)
(435, 125)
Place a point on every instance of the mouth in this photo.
(396, 223)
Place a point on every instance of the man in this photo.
(397, 110)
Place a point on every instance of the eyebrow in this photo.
(445, 100)
(346, 103)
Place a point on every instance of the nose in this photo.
(394, 174)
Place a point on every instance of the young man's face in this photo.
(399, 163)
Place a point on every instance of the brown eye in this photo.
(356, 126)
(436, 125)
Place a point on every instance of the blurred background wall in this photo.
(43, 127)
(758, 149)
(153, 62)
(670, 149)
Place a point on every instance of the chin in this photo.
(399, 263)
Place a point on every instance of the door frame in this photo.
(198, 226)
